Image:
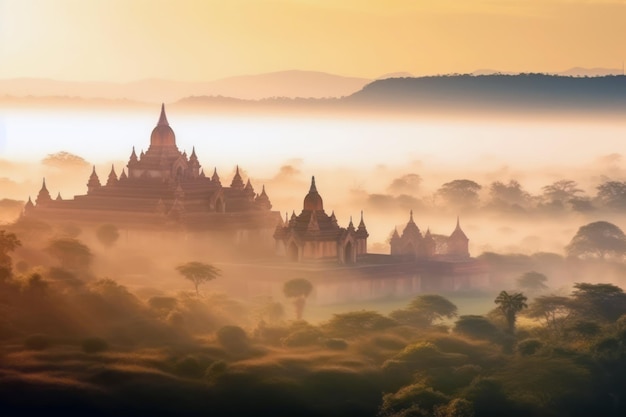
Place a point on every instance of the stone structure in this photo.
(163, 188)
(314, 235)
(411, 244)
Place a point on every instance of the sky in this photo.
(202, 40)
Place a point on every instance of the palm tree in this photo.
(509, 305)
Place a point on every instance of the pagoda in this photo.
(162, 187)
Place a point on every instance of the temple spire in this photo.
(237, 182)
(313, 188)
(163, 118)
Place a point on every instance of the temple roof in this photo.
(313, 200)
(411, 228)
(458, 233)
(162, 134)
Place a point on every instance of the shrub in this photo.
(37, 342)
(529, 346)
(302, 337)
(189, 367)
(232, 338)
(94, 345)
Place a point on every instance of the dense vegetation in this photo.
(81, 344)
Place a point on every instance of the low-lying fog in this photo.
(384, 167)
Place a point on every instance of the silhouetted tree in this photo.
(508, 195)
(406, 184)
(598, 240)
(509, 305)
(560, 193)
(107, 234)
(599, 301)
(64, 160)
(612, 194)
(424, 309)
(532, 281)
(198, 273)
(356, 323)
(460, 193)
(478, 327)
(8, 243)
(71, 253)
(298, 290)
(554, 310)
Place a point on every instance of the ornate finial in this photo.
(458, 223)
(43, 184)
(163, 117)
(411, 216)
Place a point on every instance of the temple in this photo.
(412, 245)
(314, 235)
(162, 187)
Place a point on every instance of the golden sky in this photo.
(201, 40)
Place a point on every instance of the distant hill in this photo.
(515, 92)
(250, 87)
(464, 94)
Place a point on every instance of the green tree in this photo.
(355, 323)
(599, 301)
(598, 240)
(298, 290)
(510, 305)
(8, 243)
(532, 281)
(554, 310)
(107, 234)
(71, 253)
(198, 273)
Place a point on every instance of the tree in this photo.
(561, 192)
(509, 305)
(198, 273)
(508, 195)
(612, 194)
(460, 193)
(64, 160)
(71, 253)
(532, 281)
(406, 184)
(298, 290)
(8, 243)
(425, 309)
(603, 301)
(107, 234)
(554, 310)
(477, 327)
(597, 240)
(355, 323)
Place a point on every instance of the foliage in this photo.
(529, 346)
(94, 345)
(64, 160)
(554, 310)
(416, 397)
(612, 194)
(233, 338)
(599, 301)
(424, 309)
(598, 240)
(357, 323)
(460, 193)
(298, 289)
(198, 273)
(509, 305)
(72, 254)
(509, 195)
(477, 327)
(38, 342)
(532, 281)
(406, 184)
(8, 243)
(561, 192)
(107, 234)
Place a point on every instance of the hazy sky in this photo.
(196, 40)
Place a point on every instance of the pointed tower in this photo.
(430, 245)
(411, 231)
(162, 135)
(202, 174)
(215, 178)
(112, 180)
(28, 207)
(249, 190)
(361, 237)
(43, 197)
(458, 243)
(263, 201)
(94, 181)
(59, 198)
(123, 176)
(313, 225)
(313, 200)
(351, 225)
(237, 183)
